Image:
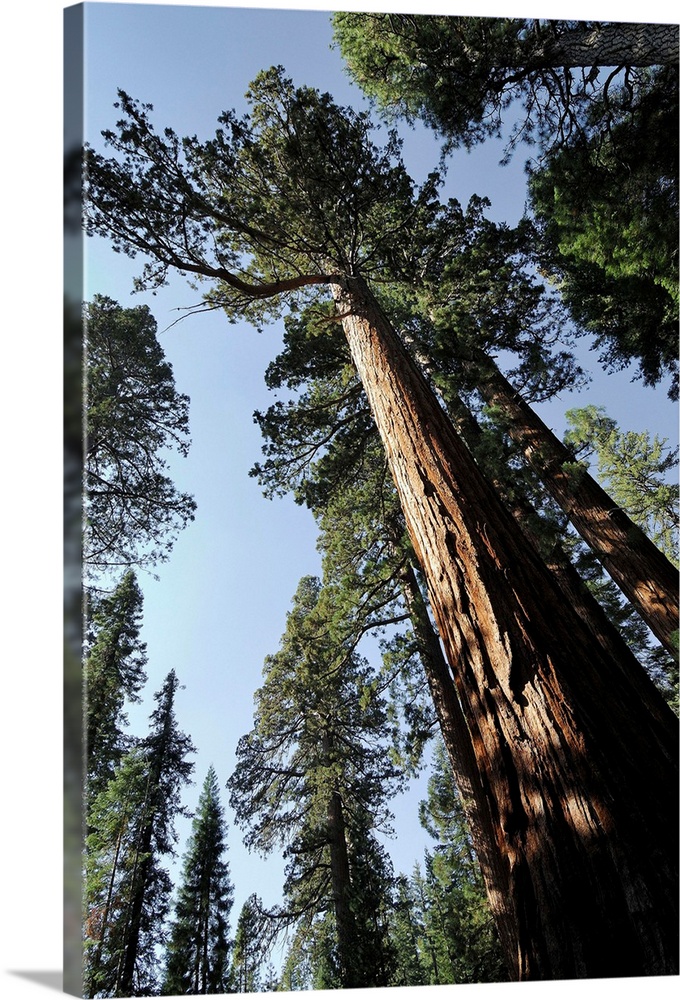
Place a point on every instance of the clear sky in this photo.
(221, 601)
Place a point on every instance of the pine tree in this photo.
(133, 412)
(127, 892)
(312, 776)
(113, 673)
(198, 950)
(112, 863)
(404, 934)
(248, 952)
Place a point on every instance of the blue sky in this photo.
(220, 604)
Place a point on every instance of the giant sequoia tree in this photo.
(574, 752)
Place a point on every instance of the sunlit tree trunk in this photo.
(573, 587)
(578, 772)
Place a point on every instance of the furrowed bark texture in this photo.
(574, 590)
(580, 778)
(458, 743)
(615, 45)
(647, 578)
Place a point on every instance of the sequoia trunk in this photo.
(574, 590)
(646, 577)
(578, 773)
(458, 742)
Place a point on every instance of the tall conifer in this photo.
(127, 890)
(113, 672)
(313, 777)
(199, 948)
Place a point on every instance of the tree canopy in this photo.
(134, 414)
(461, 75)
(607, 213)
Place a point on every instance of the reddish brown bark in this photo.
(458, 742)
(574, 590)
(647, 578)
(578, 771)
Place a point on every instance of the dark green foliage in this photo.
(113, 673)
(406, 937)
(248, 951)
(133, 413)
(460, 75)
(127, 891)
(117, 870)
(608, 210)
(313, 776)
(328, 411)
(457, 942)
(198, 949)
(275, 205)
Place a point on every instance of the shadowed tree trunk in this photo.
(459, 748)
(340, 880)
(618, 44)
(579, 772)
(644, 574)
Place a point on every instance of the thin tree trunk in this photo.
(340, 881)
(124, 986)
(107, 907)
(644, 574)
(578, 775)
